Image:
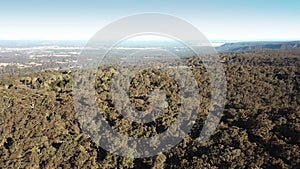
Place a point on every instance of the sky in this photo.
(217, 19)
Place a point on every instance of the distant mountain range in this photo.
(242, 46)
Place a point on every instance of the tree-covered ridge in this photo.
(260, 127)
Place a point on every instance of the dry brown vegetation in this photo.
(260, 127)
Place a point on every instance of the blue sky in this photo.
(218, 20)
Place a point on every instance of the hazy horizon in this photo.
(211, 40)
